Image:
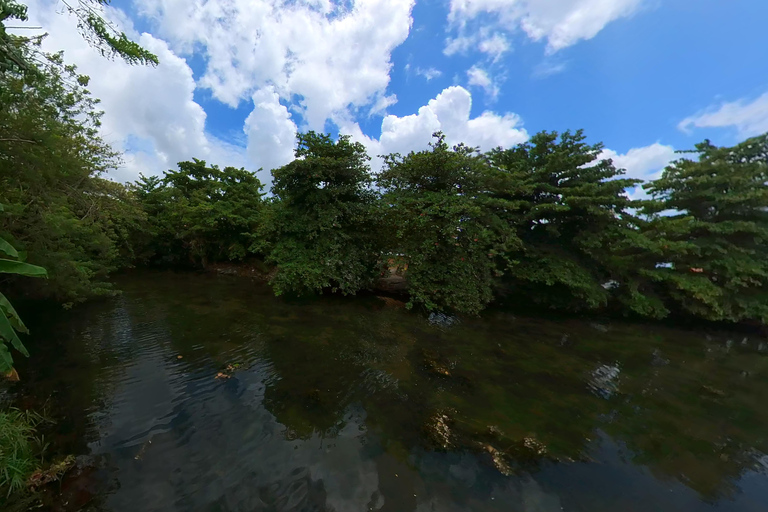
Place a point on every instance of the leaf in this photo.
(6, 361)
(22, 269)
(13, 316)
(8, 333)
(8, 249)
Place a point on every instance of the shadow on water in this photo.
(343, 405)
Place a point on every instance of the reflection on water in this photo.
(355, 404)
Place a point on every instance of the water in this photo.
(352, 405)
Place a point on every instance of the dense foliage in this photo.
(450, 233)
(60, 212)
(321, 227)
(198, 214)
(717, 234)
(10, 321)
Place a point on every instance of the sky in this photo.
(238, 78)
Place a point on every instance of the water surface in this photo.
(352, 405)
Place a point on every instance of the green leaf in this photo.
(8, 334)
(8, 249)
(22, 269)
(6, 361)
(13, 317)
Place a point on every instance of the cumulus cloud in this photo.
(748, 117)
(270, 130)
(644, 163)
(561, 23)
(319, 58)
(449, 112)
(323, 56)
(149, 111)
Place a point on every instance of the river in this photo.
(204, 392)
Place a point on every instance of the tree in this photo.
(716, 262)
(59, 211)
(571, 211)
(322, 226)
(201, 214)
(447, 229)
(18, 53)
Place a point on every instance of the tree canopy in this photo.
(321, 229)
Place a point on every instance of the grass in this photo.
(18, 448)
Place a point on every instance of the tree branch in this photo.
(12, 139)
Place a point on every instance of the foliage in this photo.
(18, 53)
(18, 457)
(10, 321)
(716, 265)
(447, 229)
(322, 230)
(200, 214)
(571, 211)
(59, 211)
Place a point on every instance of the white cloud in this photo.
(548, 68)
(561, 22)
(320, 59)
(748, 117)
(480, 78)
(495, 46)
(149, 111)
(270, 131)
(429, 73)
(323, 56)
(644, 163)
(460, 44)
(448, 112)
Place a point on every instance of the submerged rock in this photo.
(442, 320)
(434, 364)
(438, 429)
(499, 460)
(604, 380)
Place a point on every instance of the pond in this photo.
(205, 392)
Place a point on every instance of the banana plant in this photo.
(10, 322)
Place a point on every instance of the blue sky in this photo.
(239, 77)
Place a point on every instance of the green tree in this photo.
(447, 228)
(322, 225)
(59, 211)
(716, 261)
(201, 214)
(572, 213)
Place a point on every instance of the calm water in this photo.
(352, 405)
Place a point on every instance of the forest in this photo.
(547, 222)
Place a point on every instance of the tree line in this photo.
(546, 222)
